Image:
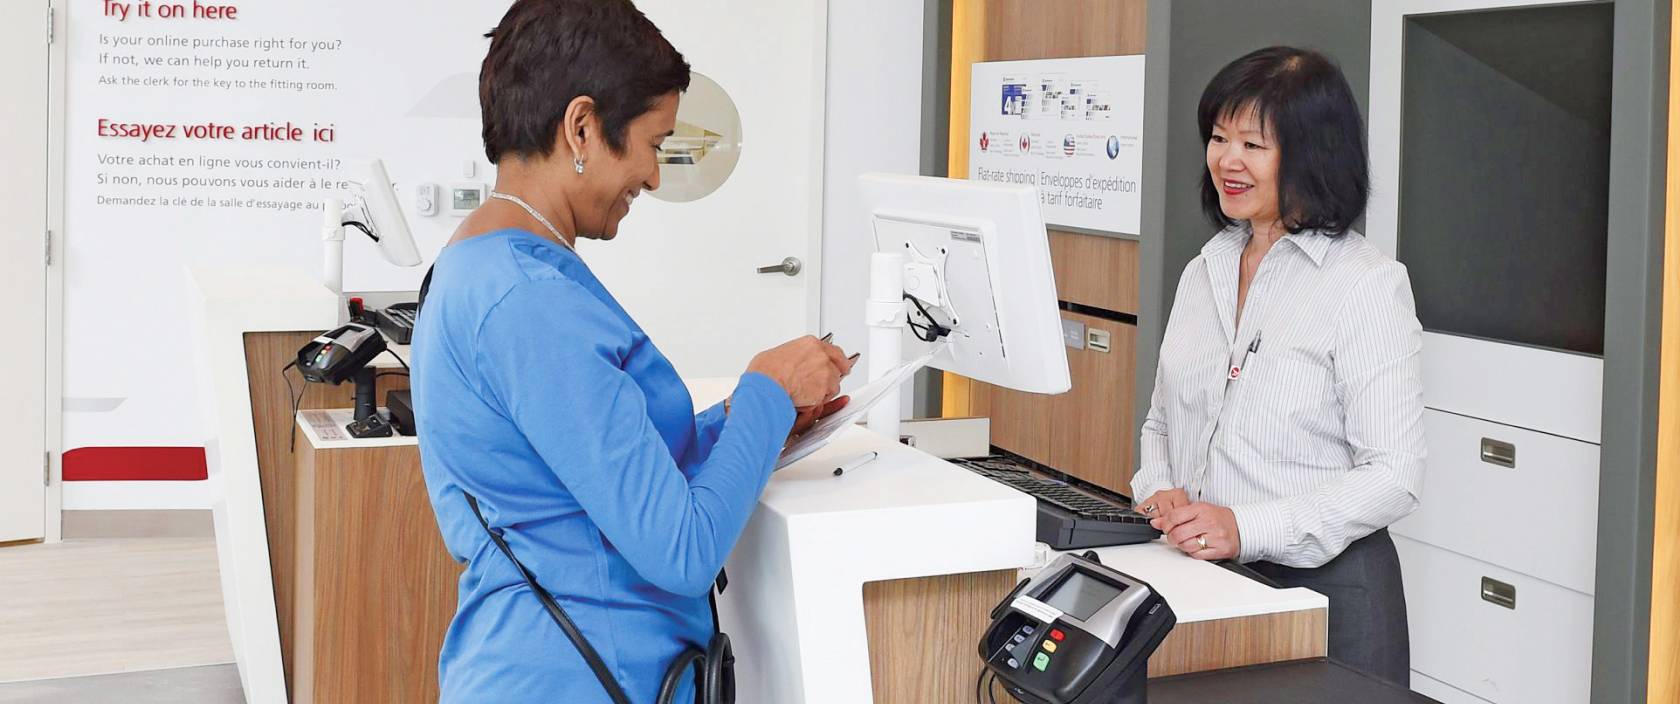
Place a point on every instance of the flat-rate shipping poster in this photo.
(206, 133)
(1071, 127)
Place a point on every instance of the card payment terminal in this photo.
(1077, 633)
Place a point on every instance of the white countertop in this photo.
(794, 608)
(339, 417)
(798, 571)
(237, 301)
(385, 361)
(1196, 589)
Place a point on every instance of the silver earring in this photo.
(578, 164)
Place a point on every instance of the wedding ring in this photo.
(1202, 541)
(1149, 509)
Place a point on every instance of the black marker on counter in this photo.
(855, 462)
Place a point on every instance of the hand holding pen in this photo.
(808, 369)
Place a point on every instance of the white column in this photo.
(885, 315)
(332, 244)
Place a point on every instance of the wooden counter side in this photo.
(375, 586)
(1247, 640)
(273, 419)
(924, 634)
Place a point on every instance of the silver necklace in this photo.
(533, 211)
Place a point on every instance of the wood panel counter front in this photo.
(375, 588)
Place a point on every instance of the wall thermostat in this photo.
(466, 197)
(425, 199)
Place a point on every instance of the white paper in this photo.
(862, 400)
(329, 424)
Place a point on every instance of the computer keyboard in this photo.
(1071, 514)
(397, 322)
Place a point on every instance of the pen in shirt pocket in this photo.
(1253, 349)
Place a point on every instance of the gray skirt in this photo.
(1367, 605)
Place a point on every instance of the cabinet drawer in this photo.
(1538, 517)
(1536, 653)
(1555, 392)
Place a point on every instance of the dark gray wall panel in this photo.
(1189, 41)
(1504, 188)
(1632, 338)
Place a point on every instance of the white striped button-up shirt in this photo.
(1306, 417)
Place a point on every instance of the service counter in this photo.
(872, 586)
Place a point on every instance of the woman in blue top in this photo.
(543, 399)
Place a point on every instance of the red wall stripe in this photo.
(101, 464)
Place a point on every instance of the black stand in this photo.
(365, 405)
(1131, 689)
(368, 423)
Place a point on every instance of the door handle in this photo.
(790, 266)
(1497, 592)
(1503, 454)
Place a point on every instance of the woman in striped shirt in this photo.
(1285, 430)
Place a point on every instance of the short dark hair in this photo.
(546, 53)
(1305, 104)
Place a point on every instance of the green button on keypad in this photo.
(1041, 661)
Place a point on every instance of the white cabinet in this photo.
(1535, 515)
(1552, 392)
(1509, 278)
(1499, 559)
(1494, 633)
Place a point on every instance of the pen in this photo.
(1253, 347)
(855, 462)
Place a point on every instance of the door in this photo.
(23, 272)
(688, 271)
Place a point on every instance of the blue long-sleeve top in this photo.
(538, 394)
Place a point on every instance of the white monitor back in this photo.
(999, 285)
(385, 215)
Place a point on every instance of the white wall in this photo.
(874, 124)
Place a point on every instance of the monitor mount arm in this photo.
(894, 278)
(924, 280)
(336, 215)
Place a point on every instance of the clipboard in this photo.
(863, 399)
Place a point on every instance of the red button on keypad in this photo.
(1055, 634)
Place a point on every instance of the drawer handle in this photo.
(1497, 592)
(1503, 454)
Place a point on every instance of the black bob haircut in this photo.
(546, 53)
(1306, 107)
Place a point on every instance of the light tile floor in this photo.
(91, 607)
(210, 684)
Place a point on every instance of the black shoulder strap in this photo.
(425, 287)
(554, 611)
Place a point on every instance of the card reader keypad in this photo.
(1049, 656)
(1037, 652)
(1021, 646)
